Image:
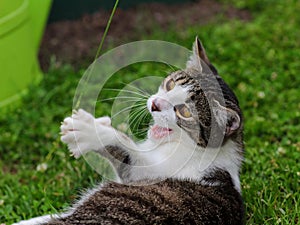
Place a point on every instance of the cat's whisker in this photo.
(140, 121)
(144, 115)
(124, 99)
(139, 89)
(126, 109)
(137, 118)
(137, 113)
(141, 134)
(134, 115)
(127, 91)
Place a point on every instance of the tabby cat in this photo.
(186, 172)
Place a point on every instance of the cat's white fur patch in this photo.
(37, 220)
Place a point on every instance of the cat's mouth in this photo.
(160, 132)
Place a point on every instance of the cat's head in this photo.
(198, 102)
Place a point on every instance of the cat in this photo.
(186, 172)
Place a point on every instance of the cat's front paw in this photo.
(81, 132)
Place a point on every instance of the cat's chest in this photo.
(158, 150)
(168, 159)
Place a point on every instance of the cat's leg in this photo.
(82, 132)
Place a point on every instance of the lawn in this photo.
(259, 59)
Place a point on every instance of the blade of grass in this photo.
(99, 48)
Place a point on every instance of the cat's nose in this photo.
(159, 104)
(154, 106)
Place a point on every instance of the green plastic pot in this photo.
(21, 27)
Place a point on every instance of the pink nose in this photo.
(159, 104)
(154, 106)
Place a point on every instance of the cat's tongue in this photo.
(160, 132)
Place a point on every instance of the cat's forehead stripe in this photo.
(181, 78)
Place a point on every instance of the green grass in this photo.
(260, 61)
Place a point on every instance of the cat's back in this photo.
(166, 202)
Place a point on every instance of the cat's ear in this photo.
(198, 57)
(227, 119)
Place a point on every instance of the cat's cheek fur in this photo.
(165, 118)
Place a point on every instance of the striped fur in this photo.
(167, 202)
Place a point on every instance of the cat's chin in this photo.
(158, 132)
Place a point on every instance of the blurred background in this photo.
(76, 27)
(46, 46)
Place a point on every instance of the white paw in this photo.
(83, 133)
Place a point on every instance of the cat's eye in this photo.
(183, 111)
(169, 85)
